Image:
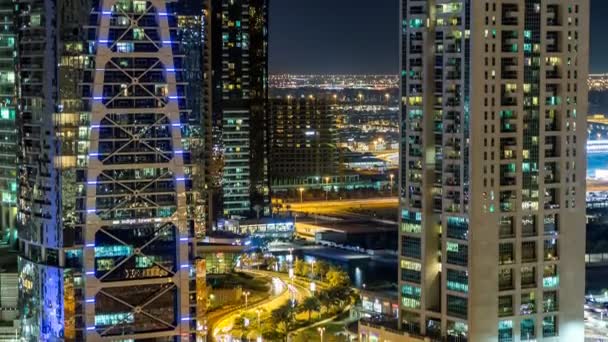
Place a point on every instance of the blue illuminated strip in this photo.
(170, 70)
(176, 125)
(95, 126)
(90, 273)
(106, 12)
(179, 152)
(100, 69)
(162, 14)
(90, 300)
(92, 182)
(103, 41)
(90, 210)
(98, 98)
(180, 179)
(90, 245)
(185, 266)
(185, 318)
(93, 154)
(183, 239)
(166, 42)
(173, 97)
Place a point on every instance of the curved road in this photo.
(299, 291)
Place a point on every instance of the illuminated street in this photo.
(345, 206)
(298, 290)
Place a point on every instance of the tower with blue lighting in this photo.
(111, 180)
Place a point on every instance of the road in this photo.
(221, 330)
(596, 324)
(343, 206)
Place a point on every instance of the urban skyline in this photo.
(168, 175)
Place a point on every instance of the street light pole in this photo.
(392, 177)
(301, 192)
(326, 187)
(321, 330)
(246, 294)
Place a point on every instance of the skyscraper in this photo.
(8, 130)
(237, 52)
(303, 138)
(109, 181)
(493, 169)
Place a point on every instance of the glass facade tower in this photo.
(238, 59)
(8, 129)
(493, 169)
(110, 203)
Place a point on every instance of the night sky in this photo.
(361, 36)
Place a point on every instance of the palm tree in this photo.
(309, 305)
(239, 324)
(325, 299)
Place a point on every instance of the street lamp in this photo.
(312, 271)
(387, 96)
(246, 294)
(360, 96)
(392, 176)
(301, 193)
(321, 330)
(326, 187)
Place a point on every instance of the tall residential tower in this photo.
(109, 195)
(8, 129)
(237, 53)
(303, 138)
(493, 169)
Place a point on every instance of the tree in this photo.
(283, 314)
(271, 263)
(300, 267)
(321, 269)
(243, 324)
(337, 278)
(325, 299)
(341, 294)
(309, 305)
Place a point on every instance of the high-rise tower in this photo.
(238, 59)
(303, 138)
(493, 169)
(109, 181)
(8, 130)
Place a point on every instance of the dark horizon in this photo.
(361, 37)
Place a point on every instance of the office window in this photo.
(457, 281)
(550, 301)
(505, 279)
(550, 326)
(410, 247)
(457, 306)
(527, 329)
(505, 331)
(506, 254)
(527, 304)
(457, 253)
(505, 306)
